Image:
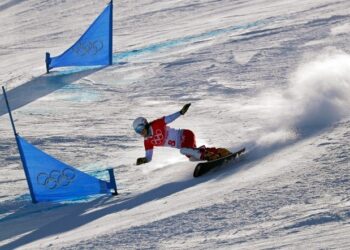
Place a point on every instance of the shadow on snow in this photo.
(78, 215)
(42, 86)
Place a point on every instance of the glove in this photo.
(185, 108)
(141, 160)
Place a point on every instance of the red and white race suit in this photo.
(160, 135)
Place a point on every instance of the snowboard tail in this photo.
(205, 167)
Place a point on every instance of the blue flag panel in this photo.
(93, 48)
(52, 180)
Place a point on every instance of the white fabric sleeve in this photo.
(172, 117)
(149, 154)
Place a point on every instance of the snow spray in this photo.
(317, 96)
(319, 92)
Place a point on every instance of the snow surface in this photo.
(269, 75)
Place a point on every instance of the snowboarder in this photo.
(158, 134)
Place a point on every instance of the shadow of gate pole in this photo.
(42, 86)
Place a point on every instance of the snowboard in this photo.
(205, 167)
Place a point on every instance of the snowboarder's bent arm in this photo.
(148, 158)
(149, 154)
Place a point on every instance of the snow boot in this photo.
(211, 154)
(205, 154)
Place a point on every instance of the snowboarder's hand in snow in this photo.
(141, 160)
(185, 108)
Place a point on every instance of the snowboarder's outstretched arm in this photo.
(173, 117)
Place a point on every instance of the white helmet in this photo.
(139, 124)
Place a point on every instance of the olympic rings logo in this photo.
(88, 47)
(56, 178)
(158, 137)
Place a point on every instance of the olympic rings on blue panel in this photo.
(88, 47)
(56, 178)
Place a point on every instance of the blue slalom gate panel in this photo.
(52, 180)
(94, 47)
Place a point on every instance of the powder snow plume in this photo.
(319, 94)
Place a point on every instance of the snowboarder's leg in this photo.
(193, 154)
(188, 148)
(188, 139)
(188, 145)
(203, 153)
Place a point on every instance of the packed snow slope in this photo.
(272, 76)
